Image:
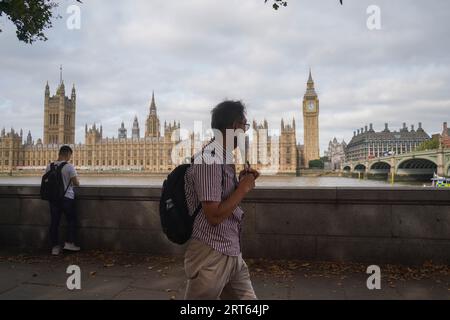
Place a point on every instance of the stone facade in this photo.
(445, 136)
(311, 123)
(152, 153)
(367, 144)
(336, 154)
(288, 148)
(59, 116)
(273, 154)
(400, 225)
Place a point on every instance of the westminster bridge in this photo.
(415, 164)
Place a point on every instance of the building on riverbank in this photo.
(336, 153)
(366, 143)
(445, 136)
(153, 153)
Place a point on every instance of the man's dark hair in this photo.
(226, 113)
(65, 151)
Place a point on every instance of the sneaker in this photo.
(56, 250)
(71, 247)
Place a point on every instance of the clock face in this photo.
(311, 106)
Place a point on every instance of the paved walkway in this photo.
(132, 276)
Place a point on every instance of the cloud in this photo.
(194, 53)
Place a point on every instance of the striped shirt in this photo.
(214, 181)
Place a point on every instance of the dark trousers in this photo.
(56, 209)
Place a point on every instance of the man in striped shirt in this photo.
(213, 259)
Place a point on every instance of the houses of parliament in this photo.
(152, 153)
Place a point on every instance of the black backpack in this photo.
(52, 184)
(176, 221)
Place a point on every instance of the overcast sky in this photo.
(195, 53)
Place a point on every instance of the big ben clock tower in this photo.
(311, 123)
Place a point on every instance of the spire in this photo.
(310, 80)
(153, 104)
(60, 75)
(73, 89)
(310, 91)
(47, 89)
(29, 138)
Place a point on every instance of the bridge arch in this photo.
(417, 166)
(380, 168)
(380, 165)
(360, 167)
(347, 168)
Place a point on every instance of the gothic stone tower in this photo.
(260, 151)
(152, 125)
(288, 148)
(311, 123)
(59, 116)
(135, 131)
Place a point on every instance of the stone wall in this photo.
(375, 225)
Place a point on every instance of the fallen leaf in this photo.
(306, 265)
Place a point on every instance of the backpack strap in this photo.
(197, 210)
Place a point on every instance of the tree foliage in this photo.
(30, 17)
(283, 3)
(277, 3)
(429, 144)
(316, 164)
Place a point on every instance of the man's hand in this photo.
(216, 212)
(247, 183)
(249, 171)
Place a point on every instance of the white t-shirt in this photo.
(68, 172)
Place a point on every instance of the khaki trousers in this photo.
(213, 275)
